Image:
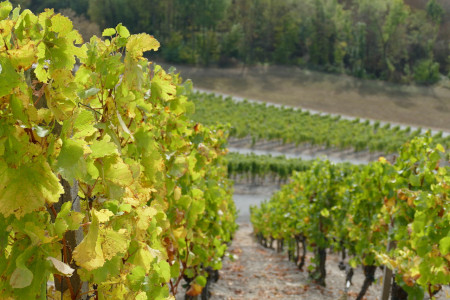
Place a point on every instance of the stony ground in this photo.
(261, 273)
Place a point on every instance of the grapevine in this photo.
(107, 189)
(260, 121)
(361, 209)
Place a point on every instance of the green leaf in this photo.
(136, 277)
(88, 93)
(27, 187)
(444, 245)
(201, 280)
(162, 86)
(8, 77)
(122, 31)
(21, 278)
(5, 9)
(414, 180)
(18, 109)
(103, 148)
(83, 124)
(175, 270)
(116, 171)
(109, 32)
(110, 269)
(67, 219)
(70, 163)
(61, 24)
(325, 213)
(179, 167)
(164, 268)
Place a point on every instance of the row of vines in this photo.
(258, 168)
(107, 189)
(265, 122)
(394, 215)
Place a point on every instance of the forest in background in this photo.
(395, 40)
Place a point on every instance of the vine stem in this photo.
(69, 284)
(85, 293)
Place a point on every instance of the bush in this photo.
(426, 71)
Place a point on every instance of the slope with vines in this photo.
(266, 122)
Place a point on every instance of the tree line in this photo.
(395, 40)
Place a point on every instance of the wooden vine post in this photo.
(387, 276)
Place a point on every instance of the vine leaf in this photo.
(139, 43)
(88, 254)
(70, 161)
(194, 290)
(61, 267)
(21, 277)
(444, 245)
(162, 85)
(114, 242)
(8, 76)
(5, 9)
(103, 148)
(109, 32)
(40, 182)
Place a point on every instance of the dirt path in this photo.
(261, 273)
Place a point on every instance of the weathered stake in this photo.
(387, 276)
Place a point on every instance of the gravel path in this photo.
(261, 273)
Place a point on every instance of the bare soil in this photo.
(428, 107)
(262, 273)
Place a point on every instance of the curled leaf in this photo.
(62, 267)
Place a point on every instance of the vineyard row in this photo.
(264, 122)
(394, 215)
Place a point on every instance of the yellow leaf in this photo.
(41, 186)
(194, 290)
(88, 254)
(114, 242)
(382, 159)
(177, 193)
(24, 57)
(180, 233)
(103, 215)
(389, 203)
(145, 216)
(139, 43)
